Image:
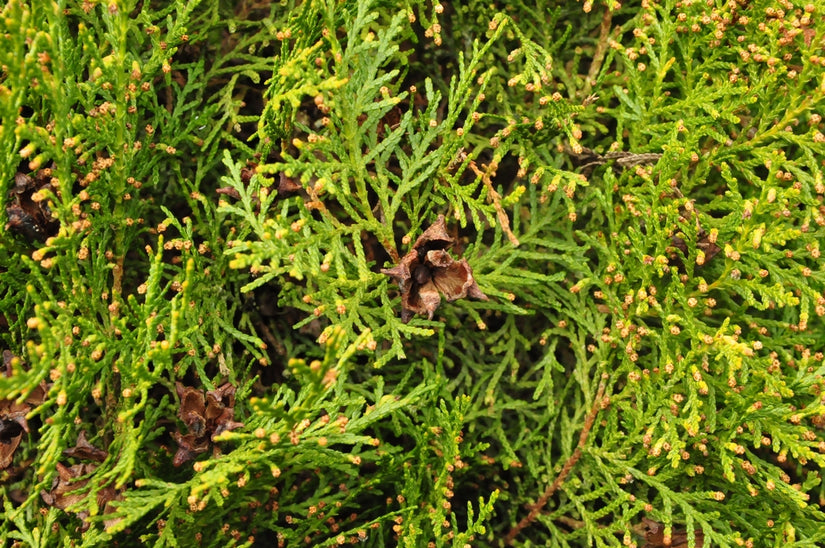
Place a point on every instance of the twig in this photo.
(601, 47)
(589, 159)
(503, 220)
(598, 403)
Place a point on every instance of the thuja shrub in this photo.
(420, 274)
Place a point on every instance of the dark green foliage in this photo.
(209, 191)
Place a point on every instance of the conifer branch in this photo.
(599, 403)
(235, 308)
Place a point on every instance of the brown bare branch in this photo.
(598, 403)
(495, 197)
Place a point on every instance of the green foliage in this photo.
(638, 190)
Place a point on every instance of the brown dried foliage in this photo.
(204, 417)
(13, 423)
(429, 271)
(28, 214)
